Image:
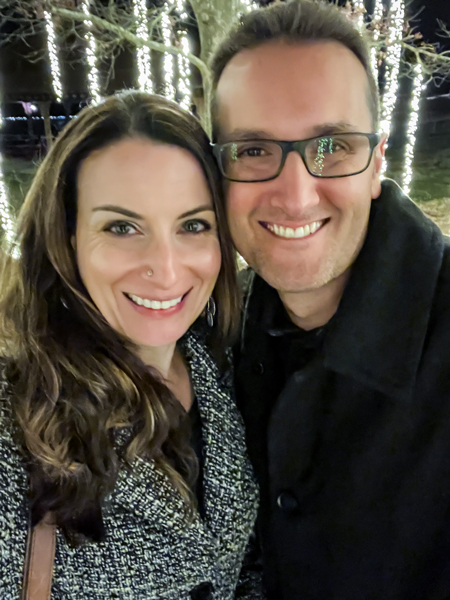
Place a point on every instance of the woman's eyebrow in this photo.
(133, 215)
(118, 209)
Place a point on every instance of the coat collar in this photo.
(378, 333)
(230, 492)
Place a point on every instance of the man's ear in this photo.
(379, 153)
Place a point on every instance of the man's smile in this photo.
(294, 233)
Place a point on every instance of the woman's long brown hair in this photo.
(84, 403)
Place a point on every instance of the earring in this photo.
(210, 311)
(149, 272)
(64, 303)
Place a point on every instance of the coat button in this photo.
(203, 591)
(258, 368)
(287, 502)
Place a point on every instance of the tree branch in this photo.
(125, 34)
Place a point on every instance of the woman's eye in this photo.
(196, 226)
(121, 228)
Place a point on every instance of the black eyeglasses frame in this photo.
(298, 146)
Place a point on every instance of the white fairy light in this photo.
(377, 18)
(143, 54)
(37, 118)
(53, 55)
(249, 5)
(168, 58)
(359, 5)
(184, 66)
(393, 57)
(6, 220)
(93, 75)
(413, 123)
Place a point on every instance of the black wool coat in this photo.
(353, 455)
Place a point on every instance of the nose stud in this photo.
(149, 272)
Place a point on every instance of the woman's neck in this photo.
(168, 361)
(160, 357)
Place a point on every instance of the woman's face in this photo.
(146, 239)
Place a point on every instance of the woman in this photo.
(115, 420)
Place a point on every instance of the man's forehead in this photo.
(323, 80)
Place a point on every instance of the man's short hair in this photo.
(292, 22)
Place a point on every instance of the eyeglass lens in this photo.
(330, 156)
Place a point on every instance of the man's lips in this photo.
(294, 233)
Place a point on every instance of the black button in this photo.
(203, 591)
(258, 368)
(287, 502)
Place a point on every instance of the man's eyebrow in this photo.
(133, 215)
(194, 211)
(336, 127)
(245, 134)
(315, 131)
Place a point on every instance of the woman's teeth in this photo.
(154, 304)
(300, 232)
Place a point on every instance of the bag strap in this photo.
(39, 559)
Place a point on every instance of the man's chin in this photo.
(289, 280)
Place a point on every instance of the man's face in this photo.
(294, 92)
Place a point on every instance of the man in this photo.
(343, 371)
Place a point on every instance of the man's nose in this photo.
(295, 189)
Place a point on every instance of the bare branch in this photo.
(125, 34)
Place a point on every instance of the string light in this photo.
(393, 57)
(249, 5)
(184, 66)
(413, 123)
(143, 54)
(168, 58)
(93, 75)
(6, 220)
(52, 117)
(359, 5)
(53, 55)
(377, 18)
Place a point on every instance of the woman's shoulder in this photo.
(13, 475)
(215, 366)
(8, 445)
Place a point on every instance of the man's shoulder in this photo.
(443, 282)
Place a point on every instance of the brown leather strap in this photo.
(39, 558)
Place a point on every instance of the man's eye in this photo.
(196, 226)
(253, 152)
(120, 228)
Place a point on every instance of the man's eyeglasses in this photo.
(331, 156)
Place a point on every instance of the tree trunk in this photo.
(214, 18)
(44, 108)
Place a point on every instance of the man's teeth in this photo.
(155, 304)
(300, 232)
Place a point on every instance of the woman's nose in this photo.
(161, 264)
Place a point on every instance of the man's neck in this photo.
(314, 308)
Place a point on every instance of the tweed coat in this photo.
(150, 552)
